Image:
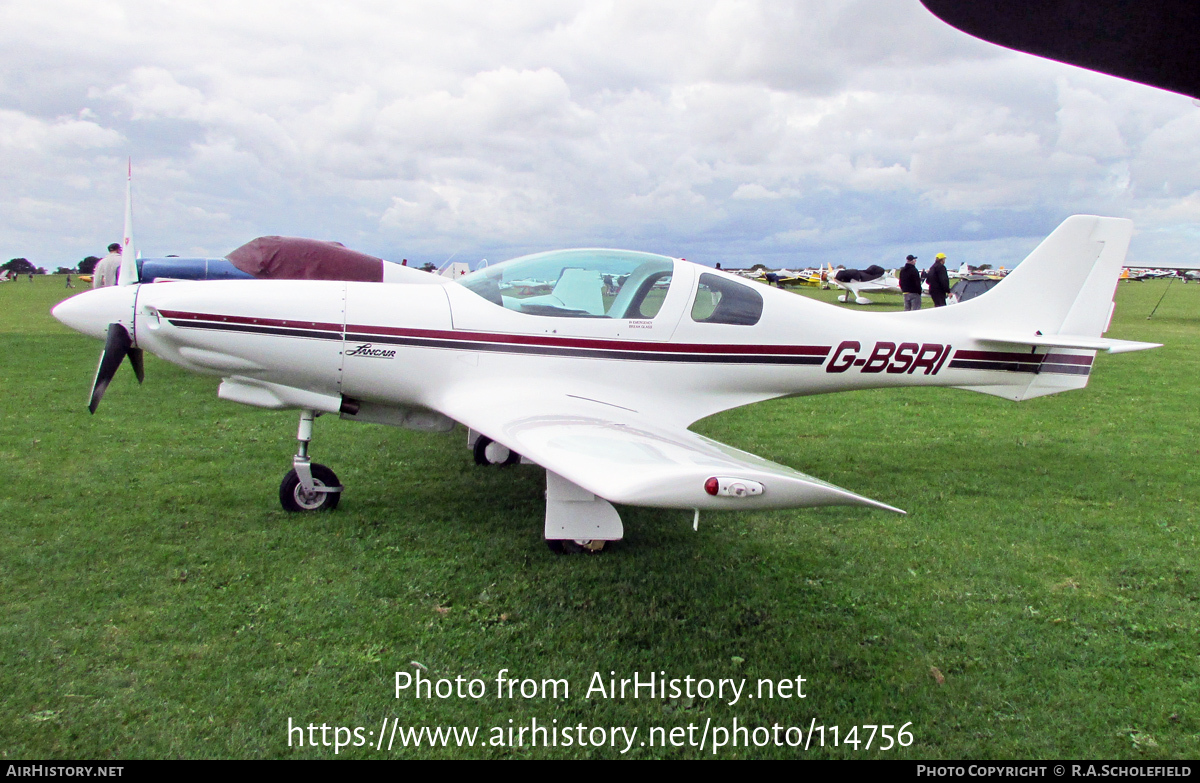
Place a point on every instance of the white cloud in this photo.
(715, 129)
(754, 191)
(20, 133)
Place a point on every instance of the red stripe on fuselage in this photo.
(1023, 358)
(180, 315)
(507, 339)
(584, 342)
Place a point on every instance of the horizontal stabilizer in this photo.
(1064, 341)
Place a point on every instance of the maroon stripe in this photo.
(1064, 358)
(575, 342)
(1000, 356)
(1024, 358)
(179, 315)
(512, 339)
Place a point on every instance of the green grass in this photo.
(1039, 600)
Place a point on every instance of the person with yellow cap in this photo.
(938, 280)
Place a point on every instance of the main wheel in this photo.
(567, 546)
(293, 497)
(489, 452)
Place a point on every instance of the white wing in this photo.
(624, 457)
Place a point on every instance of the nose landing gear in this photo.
(308, 486)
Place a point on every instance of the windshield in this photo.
(577, 283)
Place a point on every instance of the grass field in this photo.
(1040, 600)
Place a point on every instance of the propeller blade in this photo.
(116, 347)
(136, 362)
(128, 274)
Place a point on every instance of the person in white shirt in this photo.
(107, 268)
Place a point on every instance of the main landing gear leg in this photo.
(577, 520)
(308, 486)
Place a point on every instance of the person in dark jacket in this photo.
(910, 284)
(939, 280)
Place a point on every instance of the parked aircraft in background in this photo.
(455, 269)
(1185, 271)
(784, 278)
(856, 282)
(968, 287)
(1138, 275)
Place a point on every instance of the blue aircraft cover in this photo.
(175, 268)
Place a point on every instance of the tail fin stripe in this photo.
(999, 356)
(1031, 367)
(1022, 358)
(1065, 369)
(1066, 358)
(1025, 367)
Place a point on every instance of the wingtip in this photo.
(1128, 346)
(862, 500)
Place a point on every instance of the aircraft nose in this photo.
(90, 312)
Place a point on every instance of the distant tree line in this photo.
(22, 266)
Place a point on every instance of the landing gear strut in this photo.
(576, 520)
(308, 486)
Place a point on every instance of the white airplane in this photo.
(1183, 270)
(857, 281)
(600, 388)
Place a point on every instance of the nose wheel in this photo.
(308, 486)
(324, 495)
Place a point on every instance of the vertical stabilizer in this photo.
(1049, 313)
(1092, 310)
(1064, 287)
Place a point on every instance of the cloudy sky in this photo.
(790, 132)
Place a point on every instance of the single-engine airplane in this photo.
(782, 278)
(598, 378)
(873, 279)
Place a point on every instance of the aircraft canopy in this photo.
(578, 283)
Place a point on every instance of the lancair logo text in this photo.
(370, 351)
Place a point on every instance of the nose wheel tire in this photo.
(293, 497)
(489, 452)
